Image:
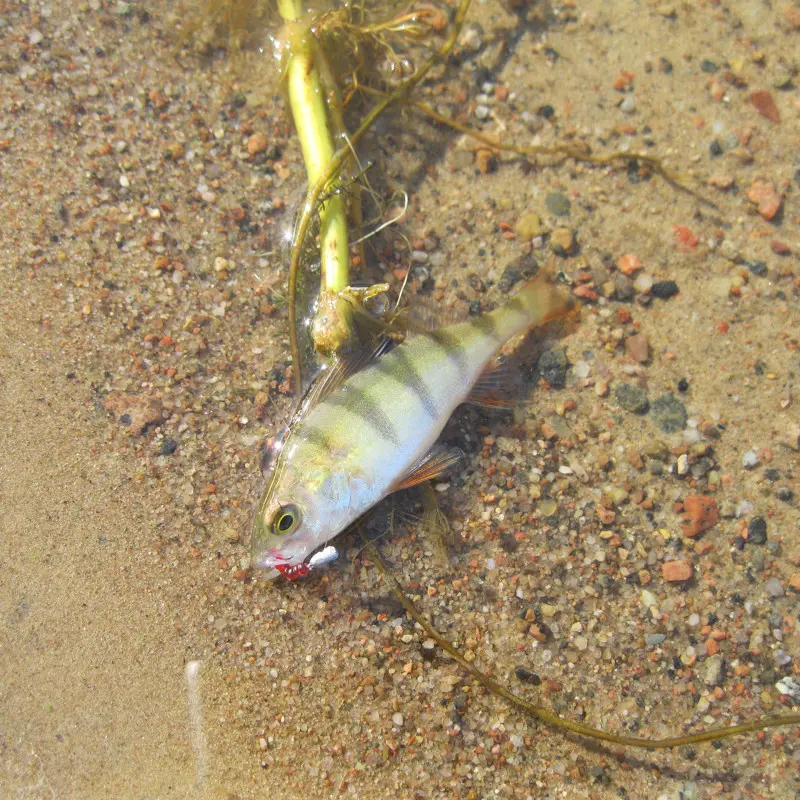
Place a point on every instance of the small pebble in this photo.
(629, 264)
(758, 268)
(766, 198)
(774, 588)
(528, 227)
(750, 459)
(714, 673)
(558, 204)
(638, 348)
(665, 289)
(781, 658)
(689, 791)
(669, 413)
(552, 366)
(676, 571)
(700, 513)
(757, 531)
(257, 143)
(581, 369)
(643, 283)
(526, 676)
(790, 687)
(562, 241)
(654, 639)
(765, 105)
(168, 447)
(631, 398)
(649, 600)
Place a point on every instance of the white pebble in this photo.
(643, 283)
(743, 509)
(750, 460)
(581, 369)
(397, 720)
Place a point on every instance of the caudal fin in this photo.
(537, 302)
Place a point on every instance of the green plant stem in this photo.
(548, 717)
(310, 114)
(334, 165)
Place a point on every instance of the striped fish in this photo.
(368, 427)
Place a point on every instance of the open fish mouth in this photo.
(280, 564)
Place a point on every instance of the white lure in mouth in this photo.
(327, 555)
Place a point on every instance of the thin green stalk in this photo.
(335, 164)
(548, 717)
(310, 114)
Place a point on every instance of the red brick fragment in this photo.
(765, 106)
(676, 571)
(763, 193)
(780, 248)
(700, 513)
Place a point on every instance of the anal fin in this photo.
(495, 388)
(441, 459)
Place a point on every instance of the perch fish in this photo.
(369, 425)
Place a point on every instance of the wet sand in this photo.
(144, 360)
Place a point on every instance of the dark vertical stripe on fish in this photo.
(399, 368)
(516, 303)
(486, 325)
(356, 401)
(452, 347)
(314, 435)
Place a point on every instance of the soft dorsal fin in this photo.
(425, 315)
(332, 376)
(441, 458)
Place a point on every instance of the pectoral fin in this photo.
(441, 459)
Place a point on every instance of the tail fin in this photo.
(537, 302)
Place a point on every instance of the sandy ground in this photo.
(144, 360)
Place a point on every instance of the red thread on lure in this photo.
(293, 571)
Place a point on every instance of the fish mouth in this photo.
(268, 560)
(274, 559)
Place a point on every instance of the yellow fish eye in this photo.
(286, 520)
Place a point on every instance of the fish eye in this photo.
(286, 520)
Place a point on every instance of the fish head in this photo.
(299, 512)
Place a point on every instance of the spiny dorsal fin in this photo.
(441, 459)
(331, 377)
